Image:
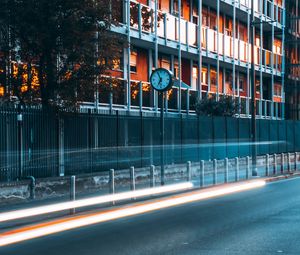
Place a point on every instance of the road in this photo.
(261, 221)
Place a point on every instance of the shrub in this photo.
(225, 106)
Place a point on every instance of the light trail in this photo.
(85, 220)
(18, 214)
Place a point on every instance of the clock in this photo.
(161, 79)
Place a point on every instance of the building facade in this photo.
(292, 41)
(206, 44)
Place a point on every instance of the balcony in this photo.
(268, 9)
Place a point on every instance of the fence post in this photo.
(289, 162)
(112, 182)
(152, 176)
(247, 167)
(132, 178)
(275, 164)
(20, 142)
(202, 173)
(226, 170)
(267, 165)
(72, 192)
(189, 171)
(215, 171)
(237, 169)
(282, 162)
(61, 147)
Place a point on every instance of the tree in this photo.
(65, 46)
(225, 106)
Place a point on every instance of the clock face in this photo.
(161, 79)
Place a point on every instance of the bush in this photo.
(209, 106)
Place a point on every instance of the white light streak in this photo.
(13, 215)
(72, 223)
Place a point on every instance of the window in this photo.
(277, 90)
(277, 47)
(195, 78)
(164, 62)
(257, 85)
(213, 21)
(242, 33)
(133, 61)
(176, 69)
(204, 18)
(204, 76)
(228, 26)
(176, 9)
(213, 77)
(241, 84)
(228, 78)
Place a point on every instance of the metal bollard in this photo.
(237, 169)
(282, 163)
(247, 167)
(189, 171)
(152, 176)
(72, 192)
(132, 178)
(215, 171)
(275, 164)
(289, 162)
(202, 173)
(112, 183)
(226, 170)
(267, 165)
(31, 187)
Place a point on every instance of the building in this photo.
(293, 59)
(215, 34)
(207, 46)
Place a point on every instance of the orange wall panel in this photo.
(145, 2)
(142, 66)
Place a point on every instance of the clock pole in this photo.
(162, 139)
(161, 80)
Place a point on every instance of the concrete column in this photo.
(215, 169)
(267, 165)
(152, 176)
(189, 171)
(237, 169)
(132, 179)
(202, 173)
(72, 192)
(226, 170)
(247, 167)
(275, 164)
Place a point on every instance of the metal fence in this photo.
(47, 144)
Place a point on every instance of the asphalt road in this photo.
(262, 221)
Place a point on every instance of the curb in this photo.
(282, 177)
